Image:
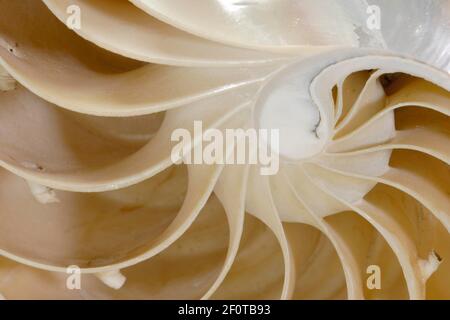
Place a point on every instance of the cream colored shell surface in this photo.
(87, 178)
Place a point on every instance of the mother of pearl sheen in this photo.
(285, 104)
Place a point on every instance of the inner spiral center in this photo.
(285, 104)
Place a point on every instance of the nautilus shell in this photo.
(87, 181)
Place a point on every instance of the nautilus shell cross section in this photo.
(357, 206)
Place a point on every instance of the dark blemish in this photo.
(437, 256)
(387, 79)
(245, 3)
(12, 49)
(131, 208)
(316, 126)
(392, 82)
